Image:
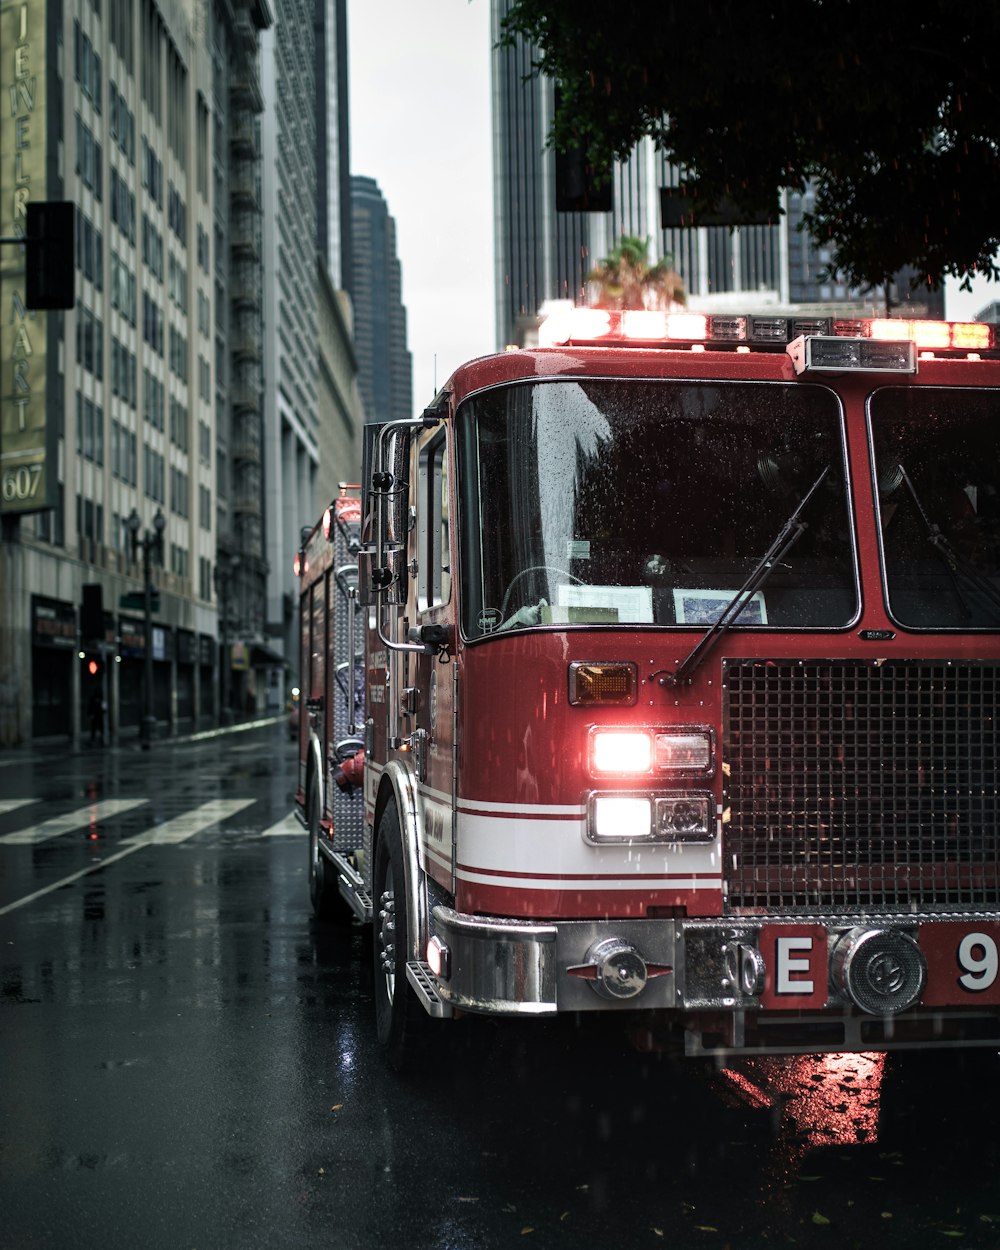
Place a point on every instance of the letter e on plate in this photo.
(795, 959)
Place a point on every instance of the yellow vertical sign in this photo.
(25, 466)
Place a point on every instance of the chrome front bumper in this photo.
(875, 965)
(517, 967)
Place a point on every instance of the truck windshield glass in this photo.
(649, 503)
(937, 467)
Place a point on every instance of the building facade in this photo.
(143, 116)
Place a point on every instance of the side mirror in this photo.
(385, 581)
(398, 498)
(382, 564)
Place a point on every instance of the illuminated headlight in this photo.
(688, 750)
(621, 753)
(684, 818)
(617, 818)
(620, 818)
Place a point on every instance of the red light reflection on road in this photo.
(824, 1100)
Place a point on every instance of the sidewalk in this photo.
(128, 742)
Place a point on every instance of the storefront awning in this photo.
(262, 656)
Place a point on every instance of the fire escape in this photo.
(246, 103)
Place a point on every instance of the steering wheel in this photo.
(534, 568)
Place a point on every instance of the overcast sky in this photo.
(420, 126)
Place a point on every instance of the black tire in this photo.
(328, 903)
(401, 1023)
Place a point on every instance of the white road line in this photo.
(11, 805)
(55, 827)
(289, 827)
(183, 827)
(169, 833)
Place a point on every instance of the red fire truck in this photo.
(656, 671)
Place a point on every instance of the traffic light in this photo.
(93, 665)
(92, 612)
(50, 265)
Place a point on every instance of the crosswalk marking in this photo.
(180, 828)
(56, 826)
(168, 833)
(11, 805)
(288, 827)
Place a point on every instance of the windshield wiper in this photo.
(956, 565)
(790, 532)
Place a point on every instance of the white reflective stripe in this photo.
(435, 796)
(505, 882)
(55, 827)
(558, 847)
(186, 826)
(437, 857)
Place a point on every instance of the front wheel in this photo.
(401, 1022)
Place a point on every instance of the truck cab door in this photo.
(429, 701)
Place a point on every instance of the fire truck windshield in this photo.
(611, 502)
(937, 465)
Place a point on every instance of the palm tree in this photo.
(625, 278)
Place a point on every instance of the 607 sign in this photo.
(22, 485)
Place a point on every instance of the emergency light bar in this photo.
(566, 327)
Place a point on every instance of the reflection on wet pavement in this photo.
(821, 1100)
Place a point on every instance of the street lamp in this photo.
(150, 542)
(222, 576)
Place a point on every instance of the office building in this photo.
(385, 367)
(312, 409)
(142, 400)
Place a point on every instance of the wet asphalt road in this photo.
(187, 1061)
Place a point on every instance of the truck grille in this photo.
(853, 786)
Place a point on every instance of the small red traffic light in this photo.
(92, 667)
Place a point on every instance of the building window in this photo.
(178, 492)
(153, 475)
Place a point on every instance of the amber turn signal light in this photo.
(602, 685)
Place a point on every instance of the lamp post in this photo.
(223, 576)
(151, 542)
